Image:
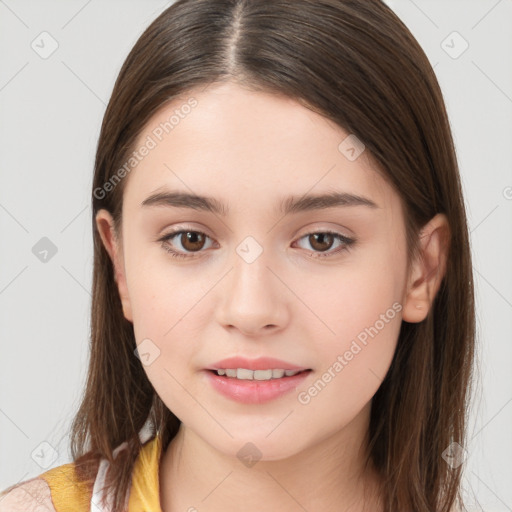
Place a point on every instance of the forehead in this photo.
(229, 142)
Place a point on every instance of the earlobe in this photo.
(428, 270)
(113, 246)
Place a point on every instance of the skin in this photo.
(248, 150)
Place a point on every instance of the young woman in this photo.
(282, 312)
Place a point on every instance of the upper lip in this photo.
(261, 363)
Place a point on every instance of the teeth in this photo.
(244, 374)
(262, 374)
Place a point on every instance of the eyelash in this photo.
(348, 242)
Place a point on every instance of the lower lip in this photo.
(255, 391)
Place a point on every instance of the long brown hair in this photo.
(356, 63)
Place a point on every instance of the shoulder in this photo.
(31, 496)
(57, 490)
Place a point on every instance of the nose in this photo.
(254, 299)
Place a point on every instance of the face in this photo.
(320, 286)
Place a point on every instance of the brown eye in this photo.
(321, 241)
(192, 240)
(184, 243)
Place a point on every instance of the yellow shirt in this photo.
(58, 489)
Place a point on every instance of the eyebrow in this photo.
(290, 204)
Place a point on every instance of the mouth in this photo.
(256, 386)
(257, 375)
(255, 381)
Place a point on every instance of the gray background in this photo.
(51, 107)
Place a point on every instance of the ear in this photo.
(428, 270)
(113, 245)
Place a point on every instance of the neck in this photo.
(328, 476)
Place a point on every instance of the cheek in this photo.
(165, 327)
(348, 299)
(359, 319)
(162, 294)
(165, 303)
(352, 373)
